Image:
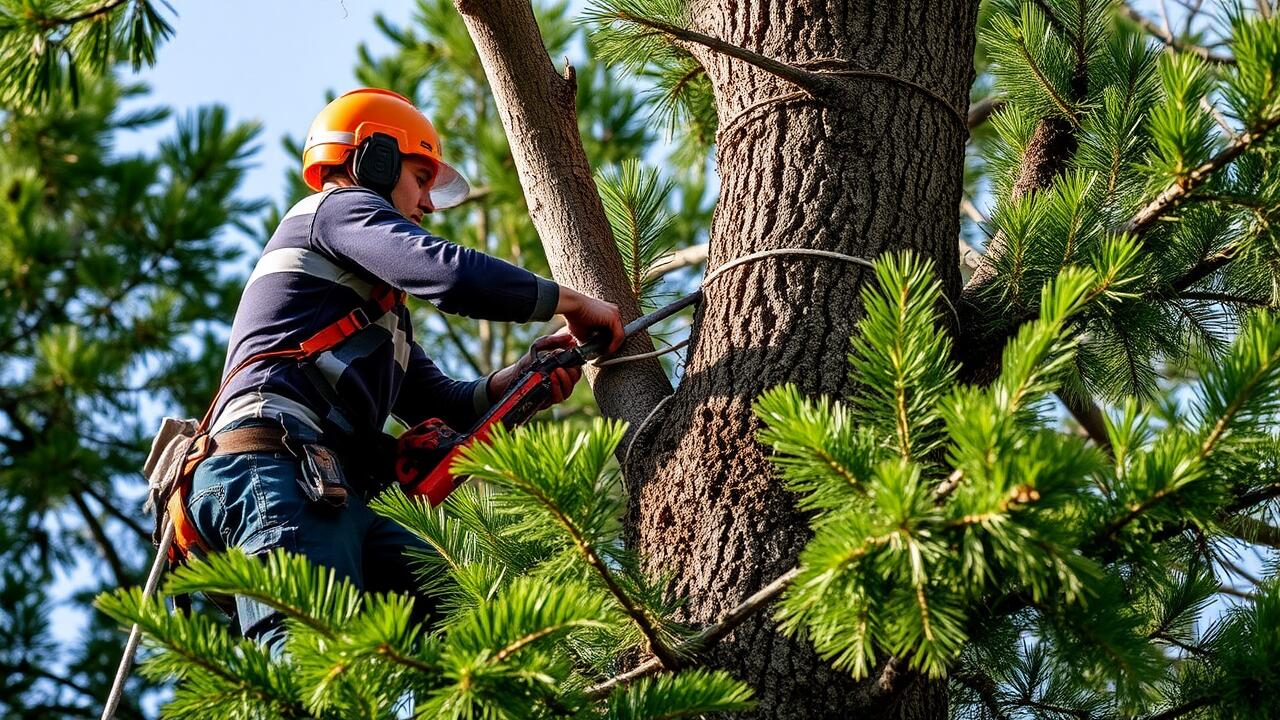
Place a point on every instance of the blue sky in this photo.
(267, 60)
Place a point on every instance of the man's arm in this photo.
(362, 228)
(428, 392)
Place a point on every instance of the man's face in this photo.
(412, 194)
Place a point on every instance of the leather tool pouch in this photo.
(321, 477)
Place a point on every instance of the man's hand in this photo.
(587, 316)
(562, 380)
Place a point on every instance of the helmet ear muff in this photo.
(376, 164)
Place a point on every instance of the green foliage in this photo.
(1014, 537)
(634, 200)
(113, 290)
(631, 33)
(541, 602)
(51, 46)
(1137, 124)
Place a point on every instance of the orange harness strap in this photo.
(186, 537)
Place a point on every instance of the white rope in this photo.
(641, 356)
(714, 274)
(710, 277)
(135, 633)
(626, 456)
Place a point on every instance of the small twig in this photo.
(48, 23)
(1243, 595)
(1166, 37)
(982, 110)
(705, 639)
(115, 512)
(1176, 193)
(1218, 118)
(971, 210)
(1253, 530)
(1254, 497)
(682, 258)
(948, 486)
(1062, 104)
(1087, 413)
(100, 539)
(1225, 298)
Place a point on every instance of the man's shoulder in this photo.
(347, 199)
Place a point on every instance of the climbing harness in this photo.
(182, 444)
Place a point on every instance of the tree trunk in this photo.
(537, 106)
(876, 170)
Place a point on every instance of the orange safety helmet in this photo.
(344, 123)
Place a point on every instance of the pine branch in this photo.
(705, 639)
(1256, 497)
(1184, 709)
(1228, 590)
(1168, 39)
(1058, 100)
(664, 655)
(816, 84)
(93, 13)
(1178, 192)
(1253, 530)
(1206, 267)
(1227, 298)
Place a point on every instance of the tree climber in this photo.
(299, 446)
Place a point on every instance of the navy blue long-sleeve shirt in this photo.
(324, 260)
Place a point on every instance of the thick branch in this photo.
(982, 110)
(100, 539)
(1167, 38)
(1176, 193)
(539, 114)
(814, 83)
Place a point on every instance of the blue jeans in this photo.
(253, 501)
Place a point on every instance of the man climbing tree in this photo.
(297, 446)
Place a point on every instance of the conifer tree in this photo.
(111, 289)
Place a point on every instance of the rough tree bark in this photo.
(537, 106)
(872, 170)
(875, 167)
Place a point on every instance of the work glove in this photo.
(562, 380)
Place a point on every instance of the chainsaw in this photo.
(426, 452)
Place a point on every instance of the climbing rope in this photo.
(135, 633)
(712, 277)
